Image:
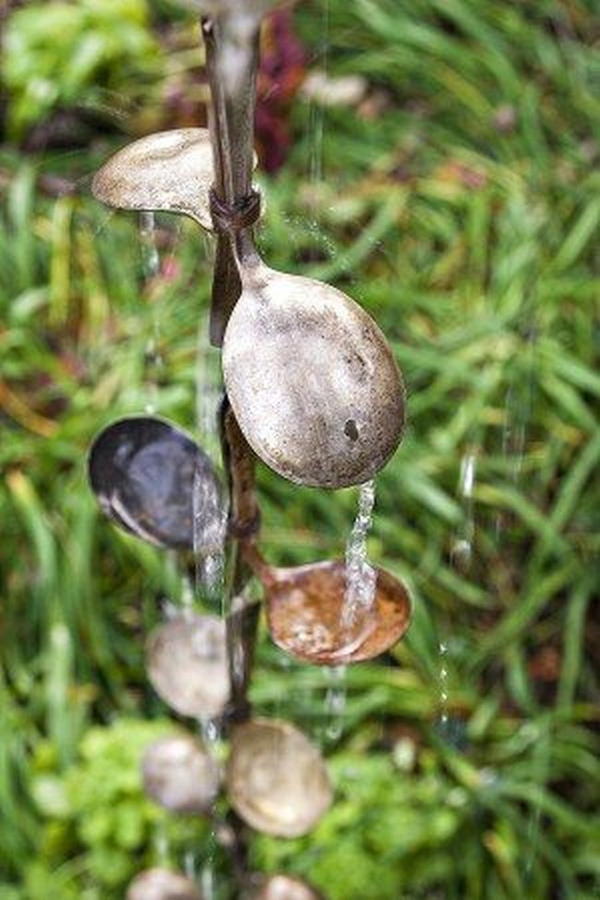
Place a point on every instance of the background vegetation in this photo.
(451, 190)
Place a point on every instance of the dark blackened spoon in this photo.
(307, 611)
(152, 480)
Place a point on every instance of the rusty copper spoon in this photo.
(306, 611)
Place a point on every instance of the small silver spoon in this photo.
(162, 884)
(186, 662)
(180, 775)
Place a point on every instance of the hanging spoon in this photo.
(180, 775)
(309, 375)
(305, 611)
(151, 480)
(169, 171)
(276, 779)
(284, 887)
(186, 662)
(162, 884)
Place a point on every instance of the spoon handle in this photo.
(232, 52)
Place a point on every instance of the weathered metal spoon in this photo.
(170, 171)
(309, 375)
(180, 775)
(284, 887)
(306, 608)
(152, 480)
(162, 884)
(311, 378)
(186, 661)
(276, 779)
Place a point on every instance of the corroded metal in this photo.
(152, 480)
(305, 611)
(276, 779)
(162, 884)
(180, 775)
(311, 379)
(186, 661)
(170, 171)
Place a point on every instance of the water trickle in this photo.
(150, 255)
(335, 701)
(461, 550)
(443, 650)
(211, 732)
(361, 577)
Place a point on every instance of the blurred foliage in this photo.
(97, 51)
(457, 201)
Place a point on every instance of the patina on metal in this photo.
(162, 884)
(151, 479)
(305, 611)
(170, 171)
(276, 779)
(186, 661)
(311, 379)
(180, 775)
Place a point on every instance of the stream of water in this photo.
(361, 577)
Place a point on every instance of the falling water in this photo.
(360, 575)
(443, 650)
(335, 701)
(211, 732)
(150, 255)
(462, 547)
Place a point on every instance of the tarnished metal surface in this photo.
(150, 478)
(162, 884)
(170, 171)
(305, 615)
(276, 779)
(178, 774)
(186, 661)
(312, 380)
(305, 611)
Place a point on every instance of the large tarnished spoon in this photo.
(276, 779)
(307, 605)
(310, 377)
(152, 480)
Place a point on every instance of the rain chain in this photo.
(313, 391)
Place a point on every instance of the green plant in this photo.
(97, 51)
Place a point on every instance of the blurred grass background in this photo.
(435, 159)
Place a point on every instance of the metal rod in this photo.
(232, 53)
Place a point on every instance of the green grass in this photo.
(476, 250)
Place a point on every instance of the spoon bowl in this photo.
(162, 884)
(179, 774)
(170, 171)
(276, 779)
(284, 887)
(186, 661)
(311, 379)
(153, 481)
(307, 611)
